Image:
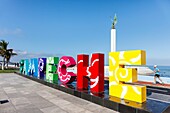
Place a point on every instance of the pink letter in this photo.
(64, 76)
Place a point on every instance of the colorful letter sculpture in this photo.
(26, 66)
(64, 76)
(118, 75)
(41, 67)
(51, 74)
(34, 63)
(21, 66)
(95, 72)
(33, 67)
(30, 68)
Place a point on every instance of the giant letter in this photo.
(30, 67)
(41, 67)
(64, 76)
(26, 66)
(51, 74)
(95, 72)
(21, 66)
(118, 75)
(34, 62)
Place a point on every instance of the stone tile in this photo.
(71, 108)
(13, 83)
(15, 95)
(6, 85)
(19, 101)
(53, 109)
(25, 92)
(92, 107)
(25, 106)
(34, 98)
(77, 101)
(31, 110)
(43, 105)
(3, 96)
(7, 108)
(52, 90)
(59, 102)
(10, 90)
(28, 85)
(17, 85)
(46, 94)
(40, 102)
(64, 96)
(57, 92)
(86, 111)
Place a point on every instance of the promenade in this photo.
(27, 96)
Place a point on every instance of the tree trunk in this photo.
(7, 64)
(3, 62)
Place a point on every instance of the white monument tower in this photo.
(113, 35)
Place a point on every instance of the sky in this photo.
(42, 28)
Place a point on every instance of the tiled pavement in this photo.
(155, 85)
(27, 96)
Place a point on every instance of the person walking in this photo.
(157, 74)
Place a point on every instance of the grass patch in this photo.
(7, 71)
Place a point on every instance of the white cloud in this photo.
(20, 52)
(4, 32)
(26, 55)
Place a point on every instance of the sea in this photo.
(164, 74)
(164, 70)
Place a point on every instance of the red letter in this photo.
(95, 72)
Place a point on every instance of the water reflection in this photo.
(73, 86)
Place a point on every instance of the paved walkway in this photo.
(155, 85)
(146, 83)
(26, 96)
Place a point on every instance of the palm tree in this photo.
(8, 57)
(5, 53)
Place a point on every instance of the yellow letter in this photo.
(118, 75)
